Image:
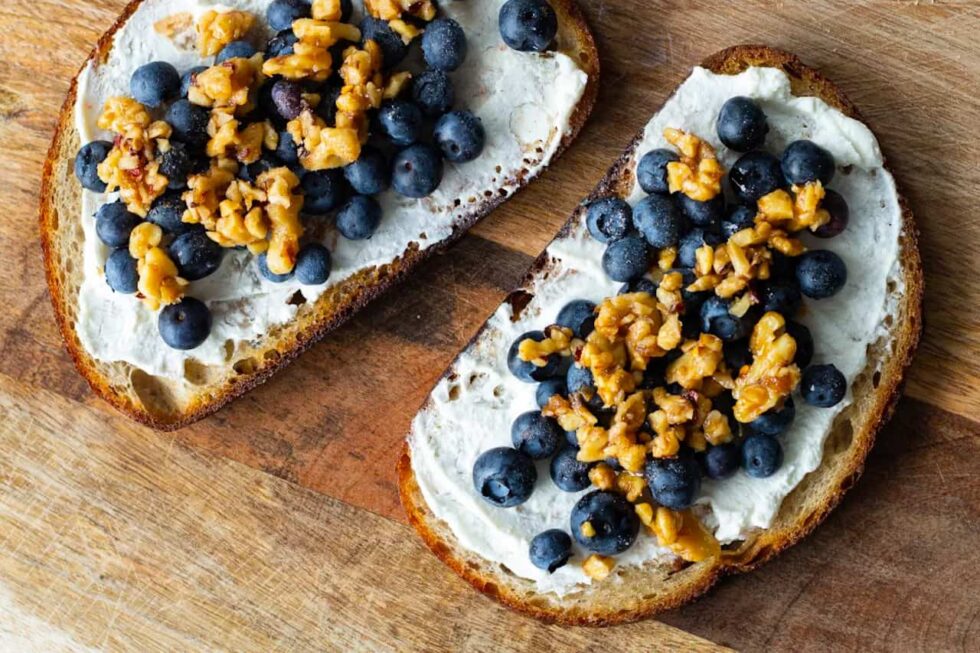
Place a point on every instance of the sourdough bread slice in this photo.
(168, 403)
(643, 590)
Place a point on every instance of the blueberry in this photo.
(526, 370)
(737, 355)
(821, 274)
(652, 170)
(417, 171)
(433, 92)
(281, 44)
(717, 320)
(659, 220)
(528, 25)
(609, 219)
(281, 13)
(653, 375)
(87, 163)
(359, 218)
(568, 472)
(721, 461)
(638, 285)
(691, 242)
(804, 342)
(286, 149)
(113, 224)
(550, 550)
(504, 477)
(235, 50)
(536, 435)
(674, 482)
(548, 389)
(120, 272)
(761, 455)
(251, 172)
(741, 217)
(613, 521)
(742, 124)
(571, 437)
(313, 265)
(782, 267)
(167, 212)
(176, 164)
(579, 380)
(287, 97)
(401, 122)
(626, 259)
(836, 206)
(185, 325)
(346, 9)
(579, 316)
(444, 44)
(393, 49)
(154, 83)
(784, 298)
(323, 190)
(195, 255)
(776, 421)
(269, 275)
(188, 78)
(823, 386)
(189, 122)
(755, 175)
(805, 161)
(725, 404)
(703, 214)
(327, 108)
(370, 174)
(460, 136)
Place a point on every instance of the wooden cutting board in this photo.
(275, 524)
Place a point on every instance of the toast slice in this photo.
(168, 403)
(641, 591)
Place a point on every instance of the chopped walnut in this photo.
(772, 376)
(558, 340)
(645, 512)
(204, 194)
(684, 534)
(131, 166)
(321, 147)
(283, 209)
(669, 436)
(698, 174)
(598, 567)
(158, 281)
(571, 414)
(229, 139)
(716, 428)
(121, 114)
(795, 214)
(232, 83)
(603, 476)
(699, 361)
(393, 9)
(631, 485)
(397, 83)
(216, 29)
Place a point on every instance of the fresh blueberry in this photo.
(776, 421)
(717, 320)
(761, 455)
(741, 217)
(579, 380)
(836, 206)
(659, 220)
(401, 122)
(568, 472)
(548, 389)
(323, 190)
(269, 275)
(282, 13)
(612, 518)
(346, 9)
(113, 224)
(823, 386)
(626, 259)
(251, 172)
(528, 25)
(609, 219)
(235, 50)
(176, 164)
(359, 218)
(460, 136)
(653, 375)
(433, 92)
(782, 267)
(195, 255)
(281, 44)
(550, 550)
(536, 435)
(638, 285)
(652, 170)
(691, 242)
(737, 355)
(417, 171)
(185, 325)
(703, 214)
(579, 316)
(393, 49)
(805, 161)
(742, 124)
(804, 343)
(189, 122)
(286, 149)
(154, 83)
(188, 78)
(504, 477)
(287, 96)
(821, 274)
(327, 108)
(87, 163)
(571, 437)
(784, 298)
(167, 213)
(755, 175)
(120, 272)
(721, 461)
(674, 482)
(526, 370)
(370, 174)
(725, 404)
(444, 44)
(313, 264)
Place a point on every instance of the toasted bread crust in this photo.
(332, 309)
(809, 504)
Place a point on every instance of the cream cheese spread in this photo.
(472, 410)
(525, 101)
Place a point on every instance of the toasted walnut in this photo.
(307, 61)
(592, 441)
(699, 361)
(716, 428)
(631, 485)
(321, 147)
(393, 9)
(677, 408)
(666, 258)
(397, 83)
(571, 414)
(243, 221)
(666, 525)
(795, 214)
(232, 83)
(606, 360)
(216, 29)
(229, 139)
(645, 512)
(283, 210)
(204, 194)
(558, 340)
(669, 291)
(121, 114)
(326, 10)
(683, 533)
(587, 529)
(144, 237)
(772, 376)
(598, 567)
(698, 174)
(669, 437)
(603, 476)
(158, 281)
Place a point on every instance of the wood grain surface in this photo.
(113, 536)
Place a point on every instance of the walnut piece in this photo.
(772, 376)
(216, 29)
(698, 174)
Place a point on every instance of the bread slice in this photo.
(644, 591)
(169, 404)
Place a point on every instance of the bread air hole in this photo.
(156, 397)
(246, 366)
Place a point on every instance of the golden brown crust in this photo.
(331, 310)
(844, 454)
